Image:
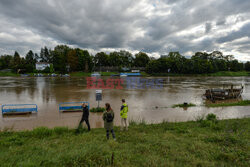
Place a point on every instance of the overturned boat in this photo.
(222, 94)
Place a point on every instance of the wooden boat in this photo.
(222, 94)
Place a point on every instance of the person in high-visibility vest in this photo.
(124, 115)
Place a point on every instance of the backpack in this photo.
(109, 117)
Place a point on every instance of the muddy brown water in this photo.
(150, 105)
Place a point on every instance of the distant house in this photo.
(41, 65)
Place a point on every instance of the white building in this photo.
(41, 65)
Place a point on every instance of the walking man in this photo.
(124, 115)
(85, 116)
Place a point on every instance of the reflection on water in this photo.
(152, 105)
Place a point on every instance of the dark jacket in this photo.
(108, 125)
(85, 112)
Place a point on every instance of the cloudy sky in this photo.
(153, 26)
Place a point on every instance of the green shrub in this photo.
(97, 109)
(210, 121)
(211, 117)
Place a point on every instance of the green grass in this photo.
(183, 105)
(84, 74)
(8, 74)
(80, 74)
(108, 73)
(230, 73)
(240, 103)
(203, 143)
(217, 74)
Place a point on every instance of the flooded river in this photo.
(151, 105)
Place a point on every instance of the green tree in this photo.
(16, 63)
(85, 60)
(30, 61)
(115, 59)
(6, 62)
(141, 59)
(59, 58)
(101, 59)
(72, 59)
(247, 66)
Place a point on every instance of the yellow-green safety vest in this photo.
(124, 110)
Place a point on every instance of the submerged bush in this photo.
(97, 109)
(183, 105)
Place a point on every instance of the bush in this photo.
(183, 105)
(211, 117)
(46, 70)
(97, 109)
(211, 121)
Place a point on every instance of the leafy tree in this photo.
(101, 59)
(141, 59)
(30, 61)
(59, 58)
(5, 62)
(85, 60)
(247, 66)
(16, 63)
(72, 59)
(115, 59)
(126, 58)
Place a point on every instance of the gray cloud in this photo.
(208, 27)
(146, 25)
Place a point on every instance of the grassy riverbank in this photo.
(83, 74)
(217, 74)
(8, 74)
(239, 103)
(202, 143)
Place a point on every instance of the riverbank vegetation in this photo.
(216, 74)
(64, 59)
(97, 109)
(8, 74)
(205, 142)
(239, 103)
(183, 105)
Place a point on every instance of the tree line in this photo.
(64, 59)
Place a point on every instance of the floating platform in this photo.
(71, 106)
(18, 109)
(130, 74)
(71, 110)
(16, 113)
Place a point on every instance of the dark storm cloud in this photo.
(146, 25)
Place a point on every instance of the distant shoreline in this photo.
(85, 74)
